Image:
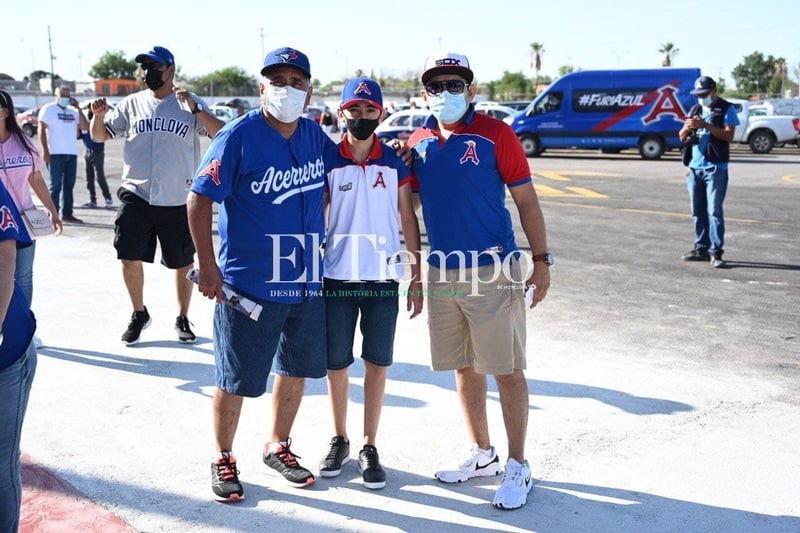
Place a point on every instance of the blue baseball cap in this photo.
(287, 57)
(362, 90)
(703, 85)
(158, 54)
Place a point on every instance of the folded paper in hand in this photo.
(241, 303)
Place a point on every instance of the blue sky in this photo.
(393, 37)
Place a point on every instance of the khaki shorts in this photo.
(479, 325)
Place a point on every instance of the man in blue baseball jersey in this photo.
(266, 172)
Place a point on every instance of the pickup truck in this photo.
(763, 132)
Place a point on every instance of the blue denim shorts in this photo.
(377, 303)
(291, 334)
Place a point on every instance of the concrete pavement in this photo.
(626, 432)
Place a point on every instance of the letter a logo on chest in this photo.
(379, 181)
(470, 154)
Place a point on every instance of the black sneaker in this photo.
(717, 261)
(225, 480)
(284, 462)
(339, 454)
(139, 321)
(698, 254)
(185, 334)
(370, 467)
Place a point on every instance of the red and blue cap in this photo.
(287, 57)
(360, 90)
(158, 54)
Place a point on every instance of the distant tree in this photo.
(511, 86)
(565, 69)
(114, 65)
(669, 51)
(537, 49)
(755, 73)
(229, 81)
(4, 76)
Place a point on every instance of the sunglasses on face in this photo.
(154, 66)
(452, 86)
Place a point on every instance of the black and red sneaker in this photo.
(225, 479)
(282, 461)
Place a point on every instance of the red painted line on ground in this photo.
(50, 504)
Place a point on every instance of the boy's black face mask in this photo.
(361, 128)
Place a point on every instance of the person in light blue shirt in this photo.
(707, 179)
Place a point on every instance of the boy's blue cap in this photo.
(158, 54)
(287, 57)
(362, 90)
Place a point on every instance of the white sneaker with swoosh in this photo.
(517, 483)
(480, 463)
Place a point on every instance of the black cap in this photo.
(703, 85)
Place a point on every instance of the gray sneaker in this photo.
(717, 261)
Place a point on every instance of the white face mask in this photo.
(447, 107)
(705, 101)
(285, 103)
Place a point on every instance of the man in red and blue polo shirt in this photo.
(464, 162)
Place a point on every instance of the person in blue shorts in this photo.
(367, 185)
(266, 172)
(464, 165)
(17, 361)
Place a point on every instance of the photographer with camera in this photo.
(708, 132)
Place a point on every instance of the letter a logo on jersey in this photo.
(7, 219)
(379, 181)
(470, 154)
(666, 104)
(212, 171)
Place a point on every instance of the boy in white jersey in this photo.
(367, 186)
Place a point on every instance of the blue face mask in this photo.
(63, 102)
(704, 100)
(447, 107)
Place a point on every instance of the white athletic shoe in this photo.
(480, 463)
(517, 483)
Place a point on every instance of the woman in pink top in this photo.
(20, 172)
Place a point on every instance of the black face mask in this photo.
(361, 128)
(152, 79)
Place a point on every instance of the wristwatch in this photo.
(546, 258)
(197, 109)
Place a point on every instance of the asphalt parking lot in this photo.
(664, 394)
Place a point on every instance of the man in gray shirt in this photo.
(162, 128)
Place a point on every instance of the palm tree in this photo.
(536, 62)
(669, 51)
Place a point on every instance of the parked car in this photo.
(401, 125)
(763, 132)
(499, 112)
(223, 112)
(314, 112)
(29, 121)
